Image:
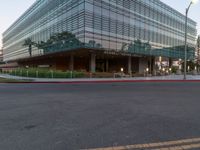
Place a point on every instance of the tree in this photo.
(190, 65)
(139, 47)
(125, 47)
(59, 41)
(28, 42)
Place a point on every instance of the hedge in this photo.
(45, 73)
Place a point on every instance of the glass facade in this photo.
(145, 27)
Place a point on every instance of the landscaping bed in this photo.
(45, 73)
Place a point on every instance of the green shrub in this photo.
(174, 69)
(78, 74)
(45, 73)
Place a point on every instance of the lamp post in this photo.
(147, 70)
(122, 71)
(186, 20)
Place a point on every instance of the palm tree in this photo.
(28, 42)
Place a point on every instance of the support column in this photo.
(143, 64)
(129, 65)
(71, 63)
(153, 66)
(107, 65)
(93, 63)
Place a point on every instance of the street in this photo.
(96, 115)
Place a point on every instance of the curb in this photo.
(101, 81)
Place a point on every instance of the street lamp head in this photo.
(194, 1)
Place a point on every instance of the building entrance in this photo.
(100, 65)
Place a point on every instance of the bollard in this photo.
(52, 74)
(27, 73)
(71, 75)
(36, 74)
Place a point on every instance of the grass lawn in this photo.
(2, 80)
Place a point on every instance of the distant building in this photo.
(1, 60)
(98, 35)
(198, 49)
(1, 56)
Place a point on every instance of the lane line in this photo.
(179, 144)
(182, 147)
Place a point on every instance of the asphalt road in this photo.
(81, 116)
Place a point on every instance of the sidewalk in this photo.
(154, 78)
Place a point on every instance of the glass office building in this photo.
(135, 28)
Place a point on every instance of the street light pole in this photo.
(186, 21)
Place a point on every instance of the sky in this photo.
(10, 10)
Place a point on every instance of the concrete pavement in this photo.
(169, 77)
(84, 116)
